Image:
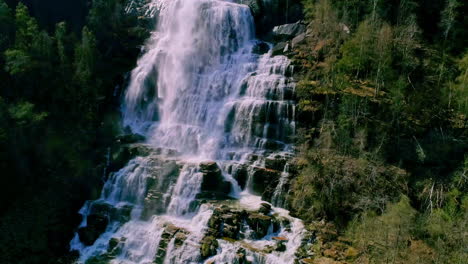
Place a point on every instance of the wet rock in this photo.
(124, 153)
(97, 224)
(97, 221)
(141, 150)
(170, 232)
(179, 239)
(115, 246)
(209, 166)
(209, 246)
(268, 249)
(130, 138)
(163, 175)
(154, 203)
(121, 214)
(280, 246)
(260, 48)
(259, 223)
(100, 208)
(273, 144)
(226, 223)
(213, 183)
(265, 209)
(242, 256)
(262, 178)
(241, 175)
(231, 231)
(113, 242)
(288, 31)
(284, 222)
(275, 163)
(210, 195)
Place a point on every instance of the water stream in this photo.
(209, 106)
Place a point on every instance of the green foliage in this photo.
(336, 187)
(387, 238)
(23, 114)
(6, 26)
(85, 57)
(445, 227)
(18, 62)
(383, 115)
(26, 28)
(458, 90)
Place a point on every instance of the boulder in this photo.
(298, 40)
(213, 185)
(288, 31)
(280, 48)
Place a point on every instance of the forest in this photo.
(383, 139)
(382, 106)
(59, 100)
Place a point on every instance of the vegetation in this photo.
(57, 112)
(382, 104)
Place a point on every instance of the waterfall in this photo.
(218, 118)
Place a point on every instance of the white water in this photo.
(198, 89)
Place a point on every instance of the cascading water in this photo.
(218, 119)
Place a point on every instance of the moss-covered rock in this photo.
(209, 246)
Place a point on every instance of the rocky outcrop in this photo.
(226, 222)
(280, 48)
(232, 223)
(268, 14)
(288, 31)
